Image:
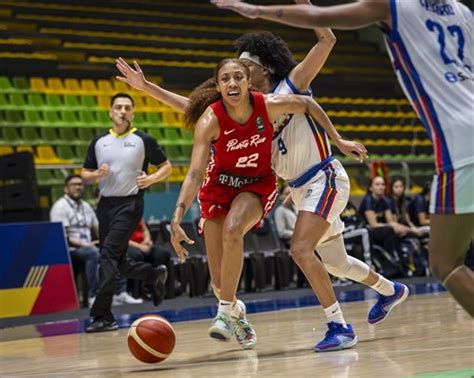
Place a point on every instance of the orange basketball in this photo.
(151, 338)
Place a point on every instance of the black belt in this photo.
(235, 181)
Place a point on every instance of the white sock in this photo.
(225, 307)
(334, 314)
(235, 312)
(384, 286)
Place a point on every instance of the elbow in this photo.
(168, 168)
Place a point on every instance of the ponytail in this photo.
(199, 99)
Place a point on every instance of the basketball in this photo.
(151, 338)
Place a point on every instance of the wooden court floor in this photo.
(427, 334)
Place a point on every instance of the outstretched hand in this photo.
(133, 77)
(244, 9)
(178, 236)
(353, 149)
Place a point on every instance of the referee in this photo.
(119, 159)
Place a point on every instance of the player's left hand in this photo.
(143, 180)
(244, 9)
(352, 149)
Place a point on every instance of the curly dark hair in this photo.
(272, 51)
(206, 93)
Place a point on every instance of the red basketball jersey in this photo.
(242, 153)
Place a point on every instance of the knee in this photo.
(300, 252)
(232, 233)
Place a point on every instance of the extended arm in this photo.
(305, 72)
(136, 79)
(280, 104)
(347, 16)
(207, 130)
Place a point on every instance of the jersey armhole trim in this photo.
(309, 92)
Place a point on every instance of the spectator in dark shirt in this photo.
(376, 212)
(418, 209)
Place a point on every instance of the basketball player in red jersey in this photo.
(239, 187)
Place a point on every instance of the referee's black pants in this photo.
(118, 219)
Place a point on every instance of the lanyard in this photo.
(75, 209)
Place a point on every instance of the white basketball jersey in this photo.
(298, 141)
(431, 48)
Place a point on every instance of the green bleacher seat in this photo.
(158, 135)
(51, 119)
(57, 192)
(17, 100)
(33, 118)
(13, 118)
(87, 118)
(81, 152)
(71, 102)
(85, 134)
(172, 135)
(70, 118)
(187, 150)
(49, 135)
(139, 120)
(88, 102)
(31, 135)
(4, 102)
(6, 85)
(11, 137)
(103, 118)
(65, 152)
(54, 101)
(186, 136)
(36, 100)
(68, 136)
(46, 177)
(154, 120)
(21, 84)
(174, 153)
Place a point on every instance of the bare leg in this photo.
(214, 248)
(449, 241)
(309, 230)
(244, 213)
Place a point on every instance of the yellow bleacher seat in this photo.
(6, 150)
(47, 155)
(105, 87)
(37, 84)
(103, 102)
(90, 87)
(72, 87)
(55, 86)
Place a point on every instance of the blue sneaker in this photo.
(380, 311)
(337, 337)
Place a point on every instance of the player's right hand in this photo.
(103, 170)
(133, 77)
(355, 150)
(178, 237)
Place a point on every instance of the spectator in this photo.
(399, 204)
(418, 209)
(285, 216)
(82, 230)
(356, 232)
(378, 216)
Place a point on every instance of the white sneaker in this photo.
(243, 330)
(221, 328)
(125, 298)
